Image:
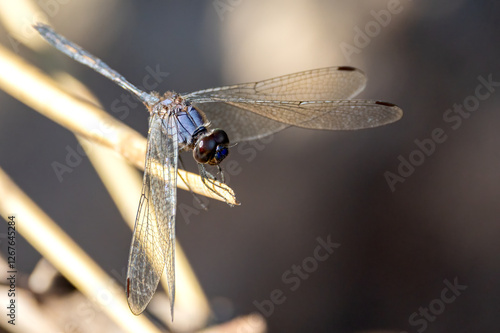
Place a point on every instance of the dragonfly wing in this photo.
(79, 54)
(316, 99)
(249, 119)
(153, 242)
(327, 115)
(240, 123)
(317, 84)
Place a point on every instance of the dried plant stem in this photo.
(37, 90)
(51, 241)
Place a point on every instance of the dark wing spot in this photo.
(385, 103)
(346, 68)
(128, 287)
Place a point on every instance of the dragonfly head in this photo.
(211, 148)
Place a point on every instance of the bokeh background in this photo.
(397, 247)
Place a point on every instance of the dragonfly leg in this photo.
(210, 182)
(196, 197)
(221, 173)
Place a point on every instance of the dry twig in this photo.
(34, 88)
(51, 241)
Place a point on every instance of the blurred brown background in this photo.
(397, 247)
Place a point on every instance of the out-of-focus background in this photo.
(418, 244)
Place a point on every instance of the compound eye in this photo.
(220, 137)
(205, 149)
(220, 153)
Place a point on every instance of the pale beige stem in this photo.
(37, 90)
(55, 245)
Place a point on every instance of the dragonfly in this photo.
(202, 122)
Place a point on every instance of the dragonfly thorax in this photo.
(170, 103)
(209, 146)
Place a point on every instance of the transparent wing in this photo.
(250, 119)
(318, 84)
(316, 99)
(76, 52)
(239, 123)
(153, 242)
